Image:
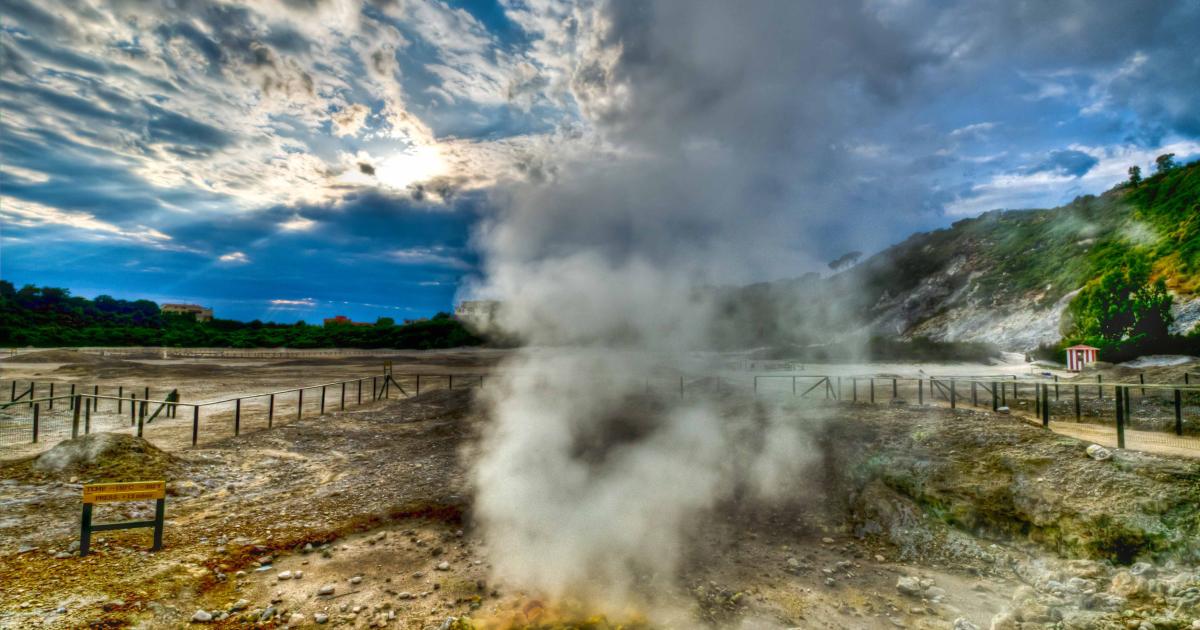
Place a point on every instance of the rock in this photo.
(62, 555)
(239, 605)
(935, 594)
(1127, 585)
(356, 579)
(443, 566)
(827, 540)
(284, 575)
(267, 614)
(406, 595)
(1143, 568)
(1004, 410)
(296, 575)
(910, 586)
(1098, 453)
(320, 618)
(326, 590)
(830, 581)
(962, 623)
(307, 548)
(201, 616)
(73, 547)
(296, 619)
(1005, 621)
(879, 558)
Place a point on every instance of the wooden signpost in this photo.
(119, 493)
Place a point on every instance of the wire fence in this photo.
(42, 422)
(1162, 417)
(1147, 416)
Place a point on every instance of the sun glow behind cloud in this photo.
(412, 166)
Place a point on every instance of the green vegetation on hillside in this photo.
(46, 316)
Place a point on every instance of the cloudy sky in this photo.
(295, 159)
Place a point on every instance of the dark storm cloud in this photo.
(1076, 163)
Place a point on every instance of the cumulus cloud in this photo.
(234, 258)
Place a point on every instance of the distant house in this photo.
(342, 320)
(1079, 356)
(201, 313)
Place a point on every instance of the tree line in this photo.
(52, 317)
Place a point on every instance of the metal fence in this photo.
(46, 420)
(1147, 416)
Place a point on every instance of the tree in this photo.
(1135, 175)
(383, 322)
(845, 260)
(1164, 162)
(1122, 304)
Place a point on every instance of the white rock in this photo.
(1098, 453)
(285, 575)
(443, 566)
(201, 616)
(320, 618)
(356, 579)
(241, 604)
(1002, 410)
(962, 623)
(327, 589)
(296, 619)
(910, 586)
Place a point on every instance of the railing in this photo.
(69, 416)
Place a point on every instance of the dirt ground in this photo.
(920, 517)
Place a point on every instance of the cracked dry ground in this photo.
(917, 518)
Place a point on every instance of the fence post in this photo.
(895, 391)
(195, 423)
(1078, 411)
(13, 395)
(299, 404)
(1100, 386)
(359, 395)
(872, 390)
(237, 417)
(36, 420)
(995, 397)
(451, 377)
(1037, 399)
(854, 388)
(1046, 405)
(1003, 393)
(75, 411)
(1142, 380)
(120, 397)
(953, 394)
(271, 411)
(418, 384)
(1178, 413)
(147, 396)
(132, 409)
(920, 391)
(96, 400)
(1120, 417)
(974, 395)
(343, 402)
(1128, 405)
(141, 419)
(322, 400)
(51, 406)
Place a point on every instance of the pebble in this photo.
(327, 589)
(284, 575)
(910, 586)
(296, 619)
(320, 618)
(356, 579)
(443, 566)
(62, 555)
(827, 541)
(201, 616)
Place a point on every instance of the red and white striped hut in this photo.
(1079, 356)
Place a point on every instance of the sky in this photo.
(297, 159)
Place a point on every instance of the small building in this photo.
(1079, 356)
(342, 320)
(201, 313)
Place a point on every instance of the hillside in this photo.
(1004, 277)
(1007, 277)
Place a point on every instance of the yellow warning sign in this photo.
(129, 491)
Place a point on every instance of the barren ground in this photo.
(917, 517)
